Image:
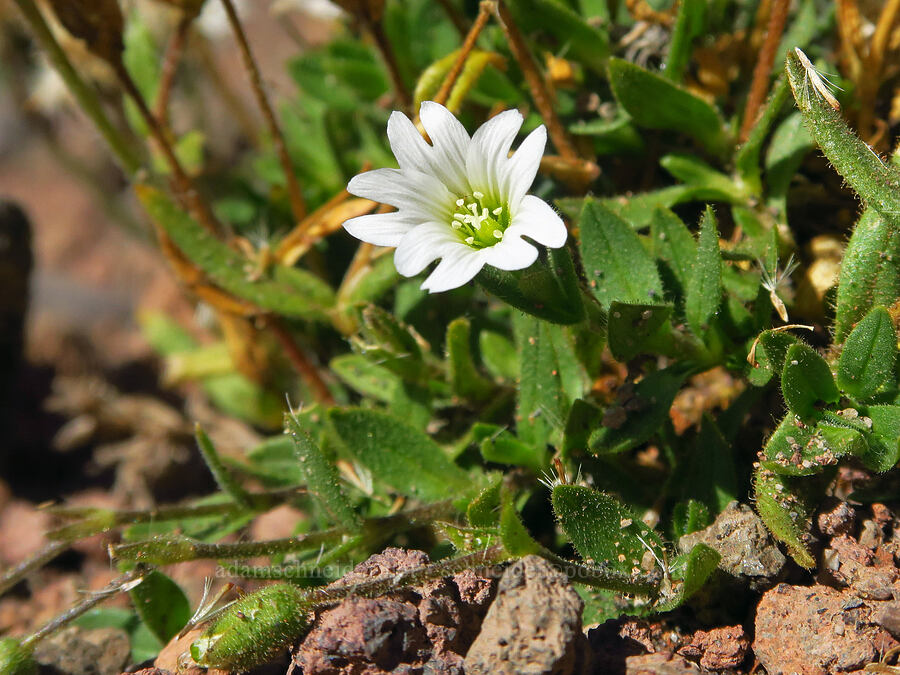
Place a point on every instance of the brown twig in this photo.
(300, 362)
(174, 50)
(536, 83)
(183, 184)
(484, 13)
(237, 107)
(404, 99)
(763, 70)
(295, 194)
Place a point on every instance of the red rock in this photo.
(718, 649)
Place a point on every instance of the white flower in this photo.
(459, 199)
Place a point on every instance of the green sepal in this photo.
(465, 381)
(769, 351)
(253, 629)
(548, 291)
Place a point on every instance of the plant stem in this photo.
(484, 13)
(131, 162)
(539, 91)
(295, 194)
(174, 50)
(14, 575)
(224, 479)
(763, 69)
(300, 362)
(93, 599)
(184, 186)
(455, 16)
(401, 93)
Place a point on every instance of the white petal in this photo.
(422, 195)
(521, 168)
(407, 143)
(421, 245)
(451, 143)
(457, 267)
(381, 229)
(488, 151)
(512, 253)
(537, 220)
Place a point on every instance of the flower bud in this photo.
(252, 630)
(98, 22)
(16, 659)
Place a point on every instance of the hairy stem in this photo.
(484, 13)
(764, 62)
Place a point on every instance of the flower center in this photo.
(480, 222)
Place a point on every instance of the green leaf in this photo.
(877, 183)
(515, 537)
(398, 455)
(716, 185)
(584, 417)
(541, 402)
(616, 264)
(484, 510)
(504, 448)
(797, 449)
(769, 352)
(704, 287)
(644, 414)
(549, 292)
(696, 567)
(465, 380)
(689, 23)
(746, 161)
(602, 529)
(673, 108)
(884, 439)
(675, 250)
(161, 604)
(586, 43)
(288, 291)
(499, 355)
(468, 539)
(367, 378)
(806, 382)
(321, 476)
(630, 327)
(868, 356)
(711, 467)
(786, 506)
(689, 516)
(870, 271)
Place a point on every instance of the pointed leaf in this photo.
(643, 415)
(768, 356)
(630, 326)
(161, 604)
(786, 506)
(868, 356)
(465, 380)
(704, 288)
(806, 382)
(673, 108)
(616, 264)
(400, 456)
(602, 529)
(695, 568)
(870, 271)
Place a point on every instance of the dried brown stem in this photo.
(401, 93)
(763, 70)
(295, 194)
(174, 51)
(485, 11)
(300, 362)
(183, 184)
(539, 91)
